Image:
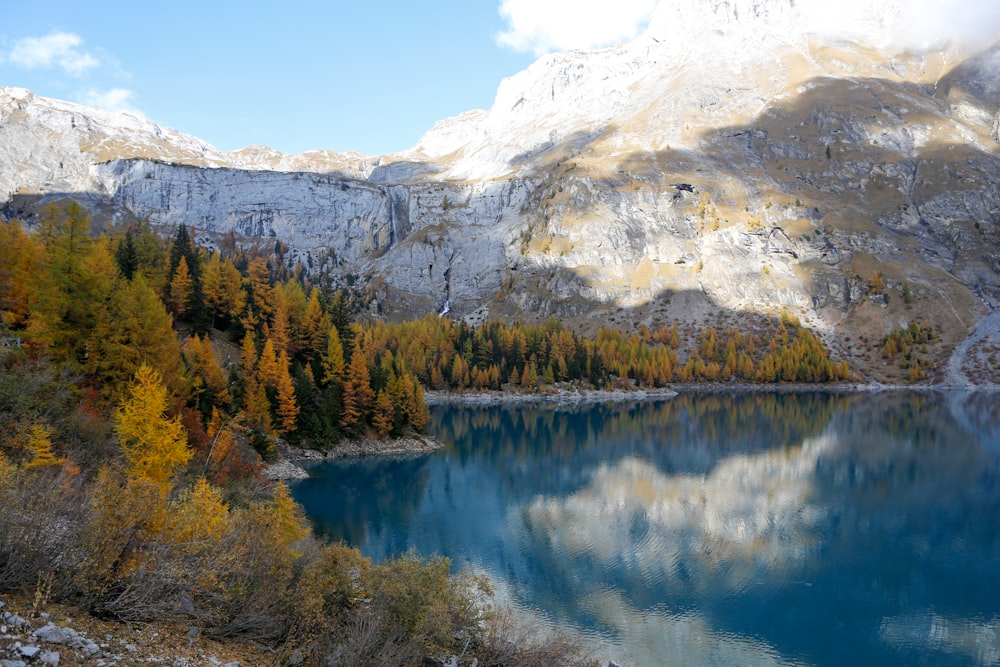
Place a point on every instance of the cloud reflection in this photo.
(752, 515)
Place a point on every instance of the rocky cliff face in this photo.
(725, 163)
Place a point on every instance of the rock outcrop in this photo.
(725, 162)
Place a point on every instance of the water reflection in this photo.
(745, 529)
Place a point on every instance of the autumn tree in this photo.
(134, 328)
(155, 445)
(258, 288)
(333, 358)
(383, 414)
(315, 325)
(40, 446)
(68, 294)
(223, 288)
(256, 407)
(208, 384)
(184, 283)
(278, 329)
(288, 409)
(21, 259)
(356, 391)
(181, 289)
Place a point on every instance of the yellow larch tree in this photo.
(155, 445)
(267, 365)
(278, 330)
(223, 288)
(40, 446)
(333, 358)
(181, 288)
(356, 390)
(383, 414)
(288, 409)
(315, 325)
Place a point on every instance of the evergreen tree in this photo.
(127, 257)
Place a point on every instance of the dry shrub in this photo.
(509, 641)
(40, 511)
(114, 572)
(368, 637)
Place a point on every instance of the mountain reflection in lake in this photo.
(820, 529)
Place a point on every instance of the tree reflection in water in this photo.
(758, 528)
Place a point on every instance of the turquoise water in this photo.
(771, 529)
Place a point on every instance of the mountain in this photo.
(725, 166)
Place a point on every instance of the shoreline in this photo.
(573, 396)
(290, 466)
(558, 397)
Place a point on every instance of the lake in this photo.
(710, 529)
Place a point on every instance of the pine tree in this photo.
(258, 287)
(21, 260)
(127, 257)
(223, 289)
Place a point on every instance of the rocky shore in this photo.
(290, 465)
(560, 396)
(48, 635)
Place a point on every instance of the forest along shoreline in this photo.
(294, 461)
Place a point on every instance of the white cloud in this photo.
(58, 49)
(551, 25)
(924, 22)
(115, 99)
(555, 25)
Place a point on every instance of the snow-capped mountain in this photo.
(727, 161)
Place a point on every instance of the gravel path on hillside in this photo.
(987, 333)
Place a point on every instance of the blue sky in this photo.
(365, 76)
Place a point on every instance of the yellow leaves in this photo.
(20, 255)
(197, 518)
(290, 522)
(267, 365)
(154, 445)
(201, 360)
(383, 416)
(124, 515)
(356, 390)
(135, 329)
(333, 359)
(181, 287)
(222, 287)
(40, 446)
(288, 409)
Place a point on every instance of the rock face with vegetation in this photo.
(726, 162)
